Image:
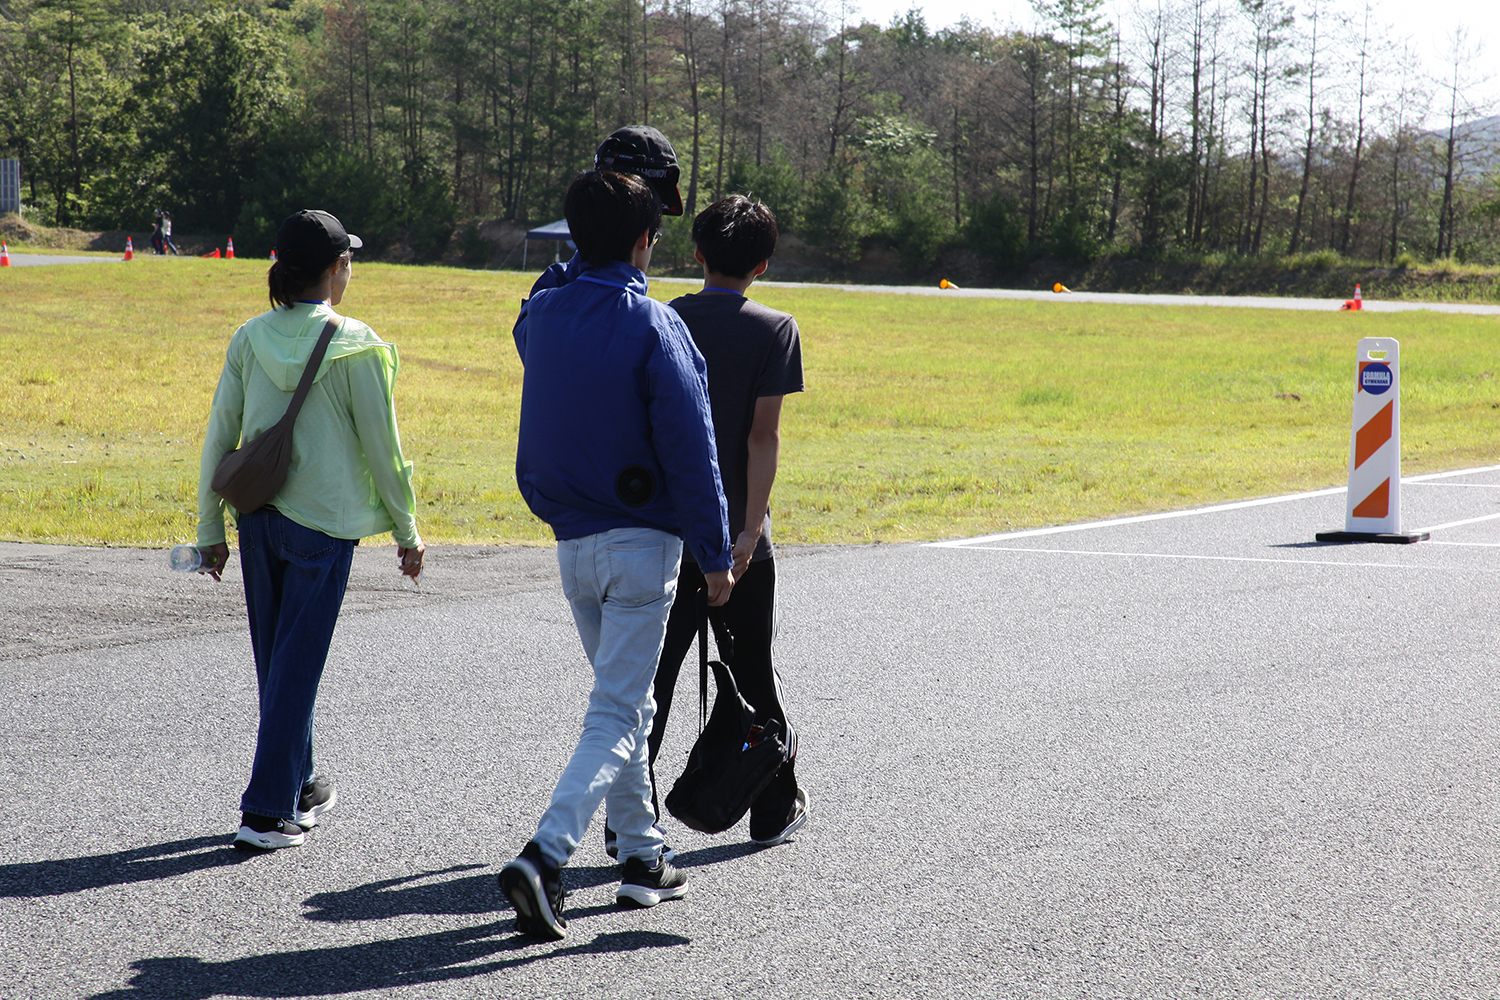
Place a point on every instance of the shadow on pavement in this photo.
(374, 965)
(1310, 545)
(34, 879)
(412, 894)
(396, 897)
(713, 855)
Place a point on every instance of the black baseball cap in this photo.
(313, 239)
(643, 151)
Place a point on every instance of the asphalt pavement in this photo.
(1187, 755)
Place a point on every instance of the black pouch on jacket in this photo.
(733, 759)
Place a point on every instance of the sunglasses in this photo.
(656, 237)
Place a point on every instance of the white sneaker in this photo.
(265, 833)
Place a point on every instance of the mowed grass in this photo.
(924, 417)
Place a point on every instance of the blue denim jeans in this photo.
(294, 585)
(620, 584)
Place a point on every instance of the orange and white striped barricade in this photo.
(1374, 507)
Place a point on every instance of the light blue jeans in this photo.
(621, 584)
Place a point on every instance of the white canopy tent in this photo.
(558, 232)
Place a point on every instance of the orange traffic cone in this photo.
(1356, 304)
(945, 283)
(1060, 288)
(213, 253)
(1359, 299)
(4, 254)
(230, 254)
(129, 249)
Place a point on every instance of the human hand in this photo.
(410, 561)
(719, 586)
(215, 557)
(744, 548)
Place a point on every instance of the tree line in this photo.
(1194, 128)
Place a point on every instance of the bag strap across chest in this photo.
(314, 360)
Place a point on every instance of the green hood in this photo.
(283, 339)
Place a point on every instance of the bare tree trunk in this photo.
(723, 100)
(690, 65)
(957, 206)
(1118, 185)
(1359, 135)
(1445, 215)
(1396, 194)
(1312, 123)
(1195, 124)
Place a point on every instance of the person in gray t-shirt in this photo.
(754, 361)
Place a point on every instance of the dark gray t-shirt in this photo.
(752, 351)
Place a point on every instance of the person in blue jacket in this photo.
(616, 453)
(635, 149)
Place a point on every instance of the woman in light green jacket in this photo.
(348, 480)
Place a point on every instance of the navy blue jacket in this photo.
(613, 381)
(558, 274)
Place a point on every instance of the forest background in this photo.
(1198, 131)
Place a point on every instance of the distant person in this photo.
(348, 480)
(156, 235)
(635, 149)
(754, 359)
(616, 453)
(166, 233)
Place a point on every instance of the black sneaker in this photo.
(266, 833)
(612, 846)
(318, 796)
(796, 819)
(534, 888)
(644, 887)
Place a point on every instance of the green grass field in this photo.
(924, 417)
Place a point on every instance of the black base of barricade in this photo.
(1395, 538)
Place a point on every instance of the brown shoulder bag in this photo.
(249, 476)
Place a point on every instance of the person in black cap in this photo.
(348, 480)
(635, 149)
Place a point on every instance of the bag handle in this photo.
(304, 384)
(702, 658)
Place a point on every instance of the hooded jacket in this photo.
(615, 392)
(348, 477)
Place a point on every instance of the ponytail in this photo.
(287, 281)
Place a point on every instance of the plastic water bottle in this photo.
(188, 558)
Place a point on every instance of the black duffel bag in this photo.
(734, 759)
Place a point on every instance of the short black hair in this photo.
(735, 234)
(607, 212)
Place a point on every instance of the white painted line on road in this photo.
(1429, 476)
(1455, 524)
(1473, 545)
(1455, 486)
(1173, 555)
(964, 543)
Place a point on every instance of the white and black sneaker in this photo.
(266, 833)
(796, 819)
(644, 886)
(318, 796)
(612, 846)
(534, 888)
